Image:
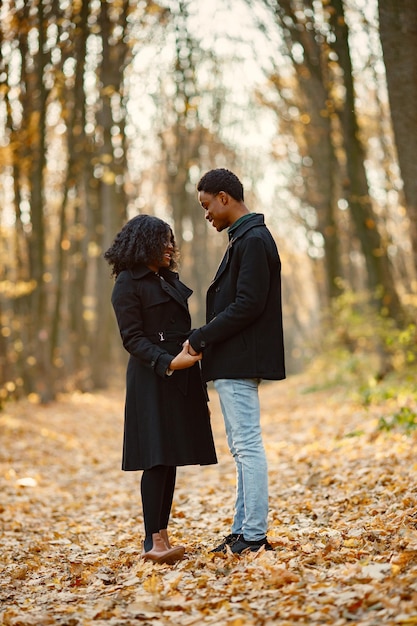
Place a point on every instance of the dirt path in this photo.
(343, 521)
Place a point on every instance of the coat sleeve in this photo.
(128, 309)
(252, 288)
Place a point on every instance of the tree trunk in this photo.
(322, 178)
(313, 130)
(36, 118)
(380, 278)
(73, 107)
(111, 209)
(398, 33)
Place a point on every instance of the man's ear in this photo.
(223, 197)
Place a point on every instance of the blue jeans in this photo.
(239, 402)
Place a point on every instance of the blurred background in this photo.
(117, 107)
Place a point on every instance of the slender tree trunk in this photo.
(36, 116)
(20, 138)
(380, 277)
(111, 210)
(181, 144)
(73, 106)
(322, 177)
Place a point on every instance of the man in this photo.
(242, 343)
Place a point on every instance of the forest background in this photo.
(113, 108)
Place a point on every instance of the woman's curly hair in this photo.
(142, 240)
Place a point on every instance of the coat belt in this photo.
(168, 335)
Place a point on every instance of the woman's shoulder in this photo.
(133, 274)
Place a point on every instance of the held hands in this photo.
(185, 359)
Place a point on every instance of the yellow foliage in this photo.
(17, 289)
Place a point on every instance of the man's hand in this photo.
(185, 358)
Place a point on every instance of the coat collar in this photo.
(170, 283)
(252, 220)
(141, 270)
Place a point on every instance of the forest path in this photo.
(343, 520)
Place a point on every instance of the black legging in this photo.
(157, 489)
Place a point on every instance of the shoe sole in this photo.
(254, 549)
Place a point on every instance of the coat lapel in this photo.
(256, 219)
(180, 294)
(223, 262)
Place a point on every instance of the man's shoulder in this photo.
(254, 227)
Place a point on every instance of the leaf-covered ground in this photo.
(343, 520)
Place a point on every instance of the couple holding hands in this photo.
(167, 421)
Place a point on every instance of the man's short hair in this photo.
(221, 179)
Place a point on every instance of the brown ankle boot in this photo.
(160, 553)
(164, 535)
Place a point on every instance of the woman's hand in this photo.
(184, 359)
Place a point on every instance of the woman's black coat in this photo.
(166, 417)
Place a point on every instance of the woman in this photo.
(167, 421)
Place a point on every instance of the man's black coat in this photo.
(243, 336)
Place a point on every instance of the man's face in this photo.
(216, 209)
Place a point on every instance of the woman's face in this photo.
(167, 253)
(168, 250)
